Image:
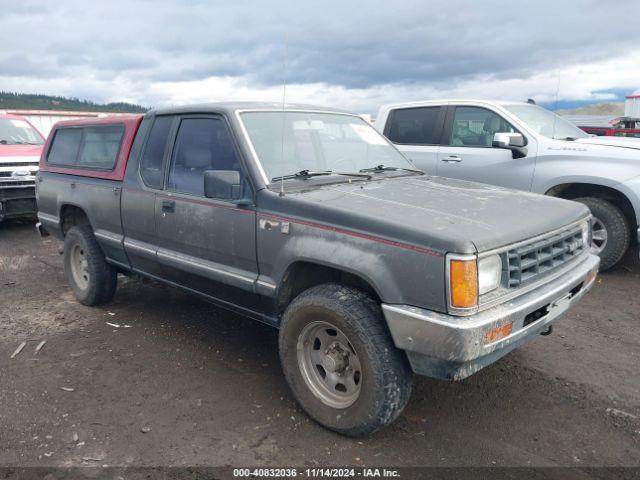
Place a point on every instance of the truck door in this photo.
(205, 244)
(416, 133)
(143, 180)
(467, 151)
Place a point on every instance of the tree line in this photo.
(29, 101)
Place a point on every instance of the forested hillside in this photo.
(27, 101)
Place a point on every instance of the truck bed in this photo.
(130, 123)
(68, 183)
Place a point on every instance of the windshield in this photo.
(546, 123)
(18, 132)
(317, 142)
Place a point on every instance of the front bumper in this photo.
(450, 347)
(17, 202)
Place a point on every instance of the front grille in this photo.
(9, 174)
(529, 261)
(23, 206)
(16, 183)
(19, 164)
(15, 193)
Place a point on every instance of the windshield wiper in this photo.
(569, 139)
(302, 174)
(306, 174)
(383, 168)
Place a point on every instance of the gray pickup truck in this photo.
(309, 220)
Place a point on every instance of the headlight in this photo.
(489, 273)
(469, 278)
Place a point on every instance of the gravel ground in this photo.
(181, 382)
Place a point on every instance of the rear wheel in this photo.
(340, 362)
(611, 235)
(92, 279)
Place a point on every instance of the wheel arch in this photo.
(573, 190)
(301, 275)
(71, 215)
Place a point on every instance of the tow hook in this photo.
(548, 331)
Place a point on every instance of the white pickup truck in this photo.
(524, 146)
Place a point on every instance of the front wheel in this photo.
(340, 362)
(610, 233)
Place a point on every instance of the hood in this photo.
(20, 150)
(443, 214)
(622, 142)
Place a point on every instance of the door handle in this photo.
(168, 206)
(452, 159)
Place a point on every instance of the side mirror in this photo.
(222, 184)
(507, 140)
(511, 141)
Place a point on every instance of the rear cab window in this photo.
(415, 126)
(154, 151)
(94, 147)
(65, 146)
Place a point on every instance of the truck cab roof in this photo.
(474, 101)
(232, 107)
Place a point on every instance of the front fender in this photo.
(587, 164)
(630, 189)
(398, 273)
(548, 184)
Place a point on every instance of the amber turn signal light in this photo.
(498, 333)
(463, 278)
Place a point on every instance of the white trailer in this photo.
(632, 106)
(44, 120)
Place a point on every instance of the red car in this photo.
(613, 132)
(20, 149)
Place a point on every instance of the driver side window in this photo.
(201, 144)
(475, 127)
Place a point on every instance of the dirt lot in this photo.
(184, 383)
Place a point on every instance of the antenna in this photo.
(284, 97)
(555, 107)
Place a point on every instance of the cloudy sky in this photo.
(351, 54)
